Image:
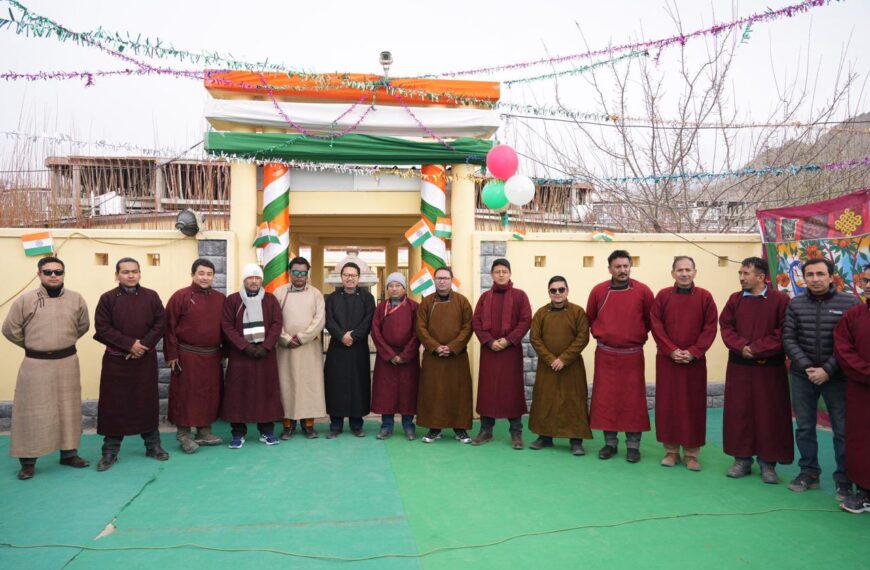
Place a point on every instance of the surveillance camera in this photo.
(386, 58)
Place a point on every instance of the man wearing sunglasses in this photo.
(560, 332)
(47, 411)
(300, 351)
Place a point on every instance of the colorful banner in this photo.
(837, 229)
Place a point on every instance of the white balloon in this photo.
(519, 189)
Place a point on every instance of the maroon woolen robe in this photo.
(852, 347)
(394, 332)
(252, 392)
(619, 320)
(757, 414)
(193, 318)
(129, 401)
(503, 311)
(685, 320)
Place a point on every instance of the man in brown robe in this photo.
(192, 349)
(251, 324)
(47, 411)
(683, 319)
(130, 321)
(300, 351)
(757, 414)
(444, 396)
(560, 332)
(501, 320)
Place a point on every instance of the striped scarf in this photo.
(253, 328)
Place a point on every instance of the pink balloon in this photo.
(502, 161)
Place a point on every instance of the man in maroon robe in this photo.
(130, 321)
(852, 348)
(618, 311)
(757, 415)
(683, 320)
(192, 349)
(502, 318)
(397, 365)
(251, 324)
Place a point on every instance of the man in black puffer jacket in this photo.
(808, 338)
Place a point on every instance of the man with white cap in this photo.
(252, 325)
(397, 366)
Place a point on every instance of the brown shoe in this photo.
(75, 461)
(106, 461)
(207, 439)
(517, 440)
(671, 459)
(157, 452)
(188, 445)
(484, 436)
(692, 464)
(26, 472)
(541, 443)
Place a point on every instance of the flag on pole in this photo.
(418, 234)
(422, 283)
(444, 228)
(602, 235)
(37, 244)
(265, 235)
(519, 234)
(456, 284)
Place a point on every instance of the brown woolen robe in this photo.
(193, 317)
(252, 392)
(852, 348)
(503, 311)
(47, 409)
(559, 407)
(684, 320)
(129, 401)
(394, 386)
(757, 414)
(444, 397)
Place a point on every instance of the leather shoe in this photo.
(157, 453)
(358, 432)
(577, 447)
(333, 433)
(106, 461)
(607, 452)
(26, 472)
(541, 443)
(485, 436)
(692, 464)
(632, 455)
(671, 459)
(75, 461)
(310, 433)
(517, 440)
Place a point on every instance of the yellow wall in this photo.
(78, 248)
(564, 256)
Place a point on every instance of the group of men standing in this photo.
(275, 371)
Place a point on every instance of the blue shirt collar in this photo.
(749, 293)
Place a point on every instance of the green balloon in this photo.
(493, 195)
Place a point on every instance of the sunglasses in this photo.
(48, 272)
(557, 290)
(299, 273)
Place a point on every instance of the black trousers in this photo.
(112, 443)
(242, 429)
(64, 454)
(516, 424)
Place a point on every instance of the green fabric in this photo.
(352, 148)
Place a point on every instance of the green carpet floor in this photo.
(443, 505)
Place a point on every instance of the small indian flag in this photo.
(456, 284)
(265, 235)
(418, 233)
(518, 234)
(37, 244)
(443, 228)
(603, 235)
(422, 283)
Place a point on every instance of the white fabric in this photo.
(383, 120)
(252, 270)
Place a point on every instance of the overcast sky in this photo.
(346, 36)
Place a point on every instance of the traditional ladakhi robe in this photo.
(252, 392)
(394, 332)
(852, 347)
(193, 337)
(501, 312)
(347, 371)
(47, 409)
(619, 319)
(682, 319)
(559, 407)
(129, 401)
(757, 414)
(444, 398)
(300, 369)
